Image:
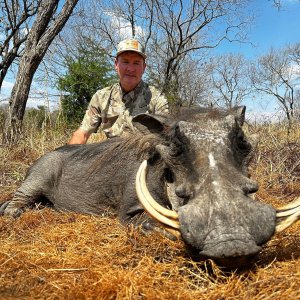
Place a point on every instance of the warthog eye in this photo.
(169, 175)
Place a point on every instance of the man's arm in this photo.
(92, 118)
(79, 137)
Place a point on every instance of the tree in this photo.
(195, 84)
(171, 30)
(294, 51)
(47, 25)
(15, 16)
(188, 29)
(297, 104)
(273, 74)
(87, 72)
(278, 3)
(230, 80)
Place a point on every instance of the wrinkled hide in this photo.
(196, 165)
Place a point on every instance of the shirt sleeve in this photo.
(92, 118)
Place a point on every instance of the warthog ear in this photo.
(147, 123)
(239, 113)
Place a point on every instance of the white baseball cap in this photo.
(131, 45)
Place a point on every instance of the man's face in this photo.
(130, 67)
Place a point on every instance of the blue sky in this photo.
(271, 28)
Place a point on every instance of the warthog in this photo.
(194, 166)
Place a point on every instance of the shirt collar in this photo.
(132, 94)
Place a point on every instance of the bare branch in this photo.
(13, 30)
(273, 75)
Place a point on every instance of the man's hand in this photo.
(79, 137)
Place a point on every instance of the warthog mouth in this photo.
(285, 216)
(233, 248)
(225, 253)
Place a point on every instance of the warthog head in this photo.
(206, 165)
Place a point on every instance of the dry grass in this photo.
(49, 255)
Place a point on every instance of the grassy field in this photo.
(45, 254)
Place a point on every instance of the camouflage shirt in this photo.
(111, 109)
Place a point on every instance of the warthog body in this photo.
(203, 157)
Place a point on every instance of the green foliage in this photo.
(89, 71)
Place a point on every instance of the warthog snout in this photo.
(228, 230)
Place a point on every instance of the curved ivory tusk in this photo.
(289, 208)
(164, 211)
(287, 215)
(173, 231)
(287, 212)
(158, 212)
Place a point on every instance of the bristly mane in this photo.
(195, 113)
(142, 145)
(137, 145)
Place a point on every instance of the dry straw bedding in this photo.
(45, 254)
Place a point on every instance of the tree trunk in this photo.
(41, 35)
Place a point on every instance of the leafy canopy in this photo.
(87, 72)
